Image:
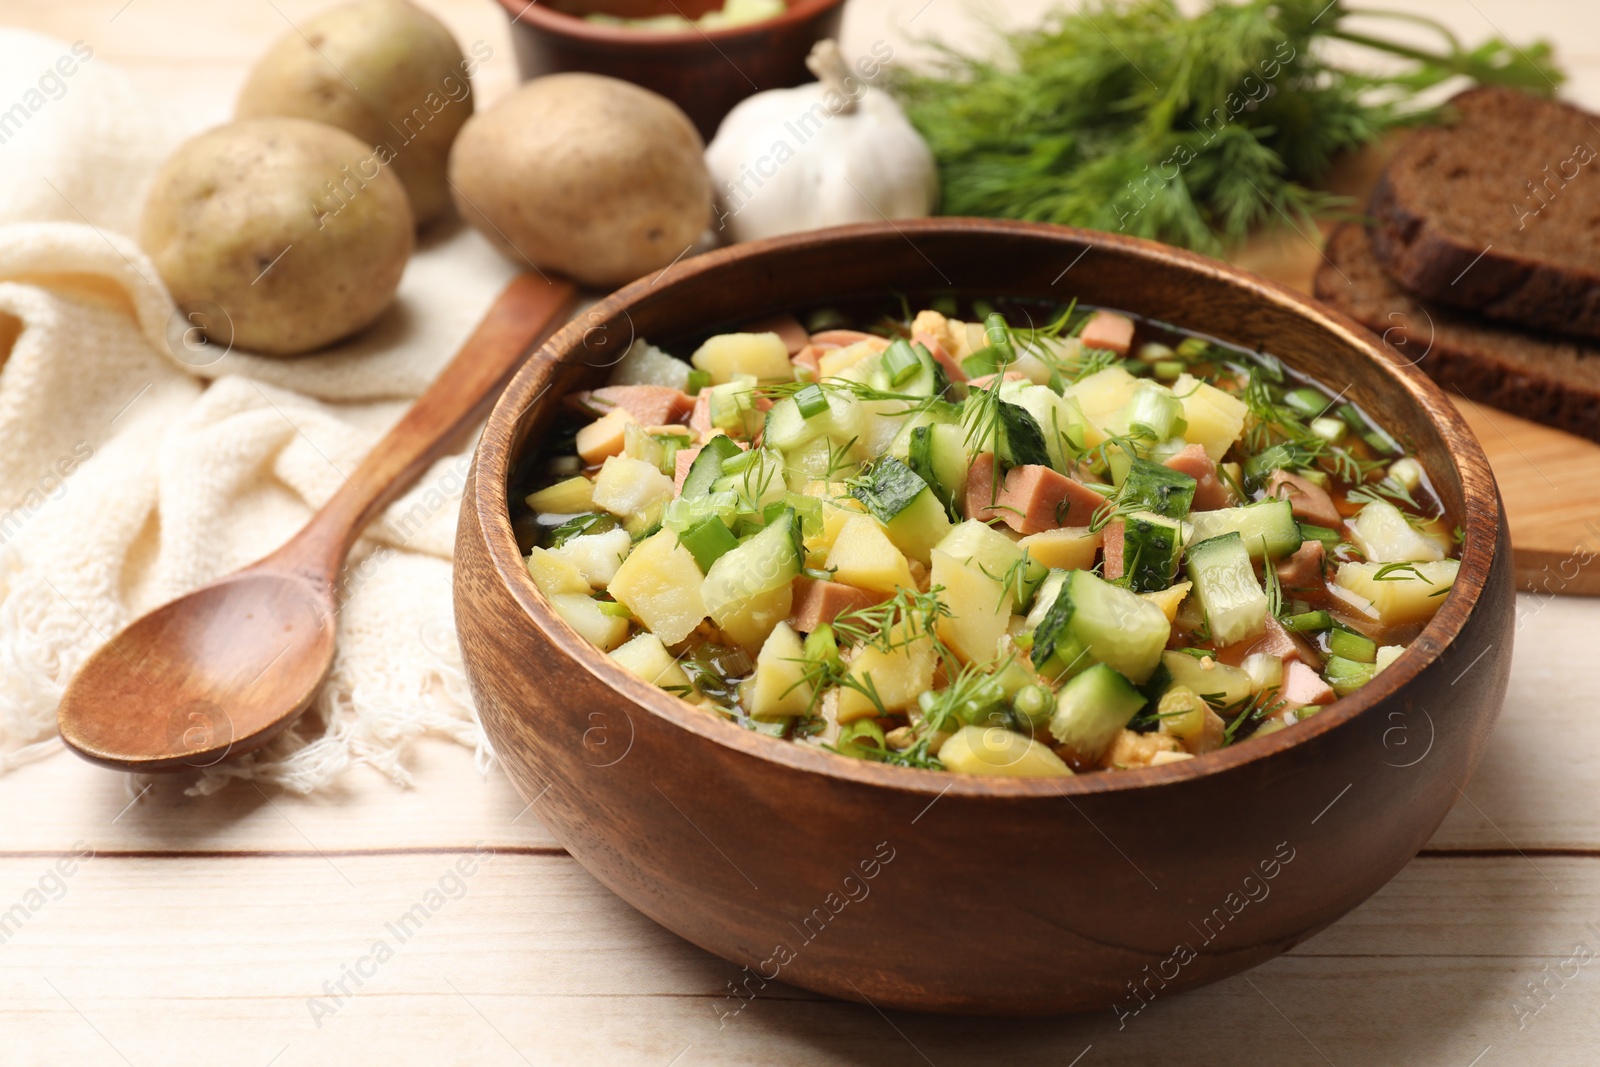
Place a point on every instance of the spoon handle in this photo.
(521, 316)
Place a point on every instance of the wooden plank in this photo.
(528, 960)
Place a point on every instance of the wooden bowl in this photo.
(705, 72)
(934, 891)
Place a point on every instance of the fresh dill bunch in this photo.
(1129, 116)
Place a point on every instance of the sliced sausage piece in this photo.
(1274, 640)
(1107, 329)
(1031, 499)
(817, 602)
(1307, 499)
(787, 327)
(1303, 570)
(952, 367)
(842, 338)
(807, 358)
(1112, 546)
(1302, 685)
(650, 405)
(1210, 491)
(700, 417)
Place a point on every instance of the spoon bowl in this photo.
(220, 671)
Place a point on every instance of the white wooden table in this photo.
(253, 927)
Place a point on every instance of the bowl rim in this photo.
(558, 23)
(490, 508)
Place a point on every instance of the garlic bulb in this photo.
(831, 152)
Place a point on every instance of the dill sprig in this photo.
(1131, 116)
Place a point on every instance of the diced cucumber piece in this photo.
(1151, 547)
(888, 488)
(1007, 429)
(1057, 653)
(909, 369)
(1060, 421)
(1346, 644)
(938, 454)
(1267, 526)
(764, 562)
(1049, 589)
(1152, 413)
(1220, 684)
(707, 466)
(756, 478)
(1156, 488)
(1225, 585)
(1021, 439)
(1119, 628)
(1092, 709)
(733, 407)
(788, 428)
(920, 526)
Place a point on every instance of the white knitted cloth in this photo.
(128, 475)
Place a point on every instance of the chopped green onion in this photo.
(698, 380)
(1155, 352)
(1167, 369)
(1329, 538)
(811, 401)
(613, 609)
(863, 739)
(1193, 348)
(1352, 646)
(1329, 429)
(707, 541)
(900, 362)
(1345, 676)
(1306, 401)
(1309, 622)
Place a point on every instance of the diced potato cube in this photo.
(596, 556)
(898, 677)
(595, 626)
(1071, 548)
(553, 574)
(1215, 418)
(646, 657)
(980, 608)
(1099, 396)
(1387, 654)
(570, 497)
(628, 487)
(779, 689)
(1406, 592)
(660, 583)
(1169, 599)
(1382, 534)
(749, 620)
(838, 506)
(761, 355)
(863, 556)
(997, 751)
(835, 362)
(605, 436)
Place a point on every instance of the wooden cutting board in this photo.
(1550, 480)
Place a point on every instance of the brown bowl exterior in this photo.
(939, 892)
(705, 73)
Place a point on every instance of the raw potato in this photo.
(232, 219)
(386, 72)
(590, 176)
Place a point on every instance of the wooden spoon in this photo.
(218, 672)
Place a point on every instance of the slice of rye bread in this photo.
(1500, 213)
(1551, 380)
